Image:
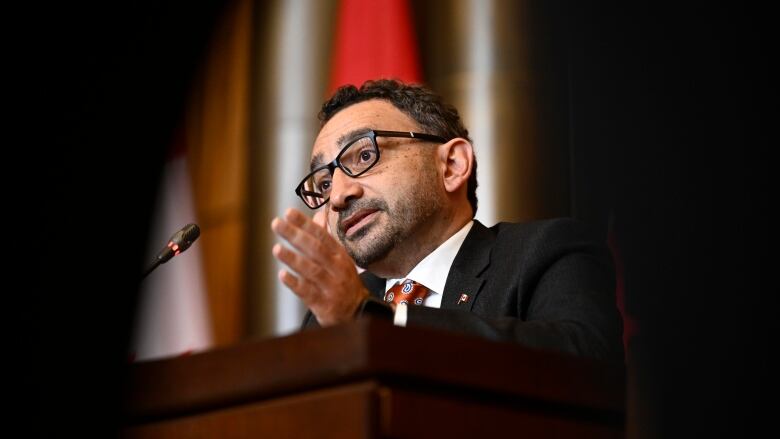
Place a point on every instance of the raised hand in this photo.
(323, 275)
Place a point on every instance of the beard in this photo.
(409, 211)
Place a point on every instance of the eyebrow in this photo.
(318, 160)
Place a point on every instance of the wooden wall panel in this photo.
(216, 130)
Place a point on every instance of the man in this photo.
(394, 173)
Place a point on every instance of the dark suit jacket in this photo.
(547, 284)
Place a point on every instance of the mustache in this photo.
(373, 204)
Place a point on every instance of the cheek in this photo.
(418, 173)
(407, 174)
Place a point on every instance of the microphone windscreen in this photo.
(191, 232)
(186, 236)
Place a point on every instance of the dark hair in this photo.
(418, 102)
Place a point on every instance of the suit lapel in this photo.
(463, 281)
(375, 285)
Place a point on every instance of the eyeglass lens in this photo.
(355, 159)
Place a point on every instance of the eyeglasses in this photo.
(357, 157)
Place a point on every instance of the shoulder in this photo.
(550, 238)
(555, 229)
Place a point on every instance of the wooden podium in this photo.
(360, 381)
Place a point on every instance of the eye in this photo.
(323, 186)
(366, 155)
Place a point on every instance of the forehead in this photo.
(374, 114)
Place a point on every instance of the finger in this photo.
(308, 224)
(305, 242)
(301, 265)
(291, 281)
(298, 286)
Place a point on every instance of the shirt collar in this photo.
(432, 271)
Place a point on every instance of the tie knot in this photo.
(408, 292)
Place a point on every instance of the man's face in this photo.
(392, 202)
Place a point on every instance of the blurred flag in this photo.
(374, 39)
(172, 315)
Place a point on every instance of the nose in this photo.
(343, 190)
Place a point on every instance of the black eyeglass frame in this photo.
(336, 163)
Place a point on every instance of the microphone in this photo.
(180, 241)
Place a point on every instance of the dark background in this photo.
(671, 109)
(103, 88)
(670, 136)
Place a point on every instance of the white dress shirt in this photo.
(432, 272)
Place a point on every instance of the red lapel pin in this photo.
(463, 298)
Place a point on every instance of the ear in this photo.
(457, 158)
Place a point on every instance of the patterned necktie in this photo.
(408, 292)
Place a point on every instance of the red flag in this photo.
(374, 39)
(172, 316)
